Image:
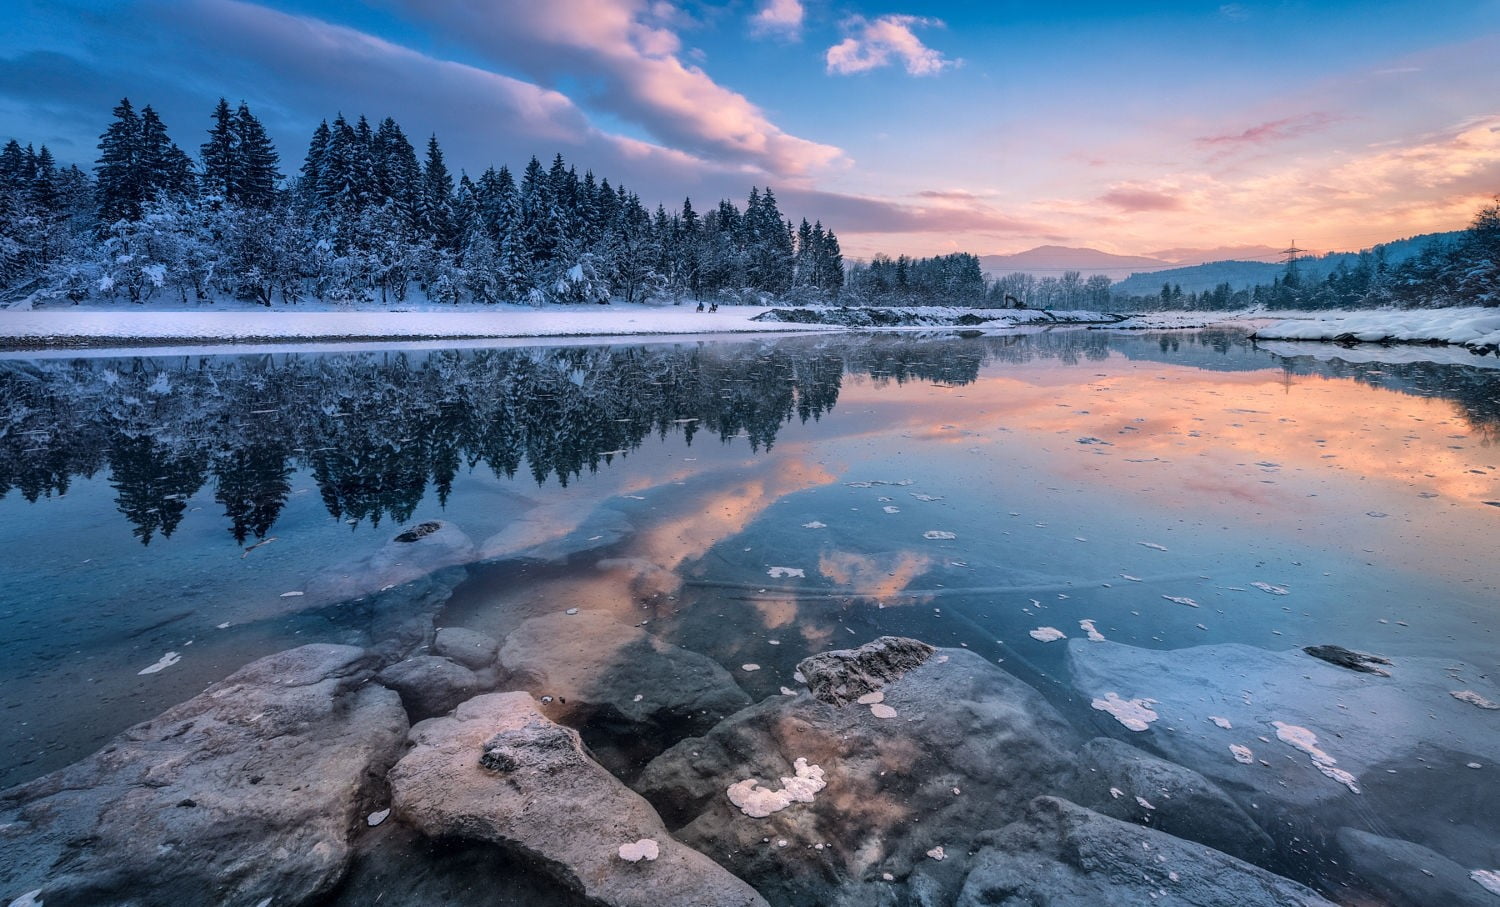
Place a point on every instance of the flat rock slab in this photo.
(1062, 855)
(498, 770)
(1376, 728)
(968, 746)
(244, 793)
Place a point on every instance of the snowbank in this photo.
(1475, 328)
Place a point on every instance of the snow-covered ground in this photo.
(123, 326)
(1475, 328)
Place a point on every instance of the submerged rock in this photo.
(1184, 803)
(1404, 874)
(411, 555)
(244, 793)
(470, 648)
(844, 675)
(890, 784)
(618, 678)
(1062, 855)
(430, 685)
(500, 771)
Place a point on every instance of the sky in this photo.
(1181, 130)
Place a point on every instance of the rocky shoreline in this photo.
(419, 764)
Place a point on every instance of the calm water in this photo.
(181, 504)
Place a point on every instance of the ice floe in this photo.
(1242, 754)
(781, 572)
(1088, 627)
(815, 525)
(1270, 589)
(1474, 698)
(1047, 634)
(758, 802)
(166, 661)
(1181, 600)
(1135, 714)
(939, 534)
(1305, 740)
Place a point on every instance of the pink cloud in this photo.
(1130, 198)
(880, 42)
(1273, 131)
(626, 59)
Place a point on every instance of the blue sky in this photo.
(1189, 128)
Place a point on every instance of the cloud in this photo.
(1273, 131)
(1137, 198)
(779, 17)
(622, 56)
(880, 42)
(1235, 12)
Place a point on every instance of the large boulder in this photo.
(499, 771)
(244, 793)
(430, 685)
(842, 676)
(620, 681)
(965, 746)
(1318, 746)
(1062, 855)
(470, 648)
(1122, 782)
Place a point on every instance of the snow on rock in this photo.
(1135, 714)
(1476, 328)
(1047, 634)
(758, 802)
(881, 710)
(377, 817)
(644, 849)
(937, 853)
(171, 658)
(782, 572)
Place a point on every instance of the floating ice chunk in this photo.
(637, 697)
(881, 710)
(292, 594)
(1473, 765)
(223, 626)
(1473, 698)
(750, 667)
(925, 497)
(1145, 804)
(937, 853)
(1135, 714)
(1088, 627)
(1047, 634)
(871, 698)
(779, 572)
(1488, 879)
(758, 802)
(1242, 754)
(1181, 600)
(1268, 588)
(166, 661)
(1133, 579)
(1116, 793)
(1305, 740)
(377, 817)
(889, 509)
(644, 849)
(938, 534)
(815, 525)
(788, 692)
(1154, 545)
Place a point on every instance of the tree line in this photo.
(366, 220)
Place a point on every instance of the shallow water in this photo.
(964, 490)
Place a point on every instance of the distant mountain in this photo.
(1242, 275)
(1052, 261)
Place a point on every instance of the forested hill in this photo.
(1242, 275)
(364, 220)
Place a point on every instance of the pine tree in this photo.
(165, 168)
(309, 185)
(254, 180)
(437, 198)
(218, 153)
(118, 170)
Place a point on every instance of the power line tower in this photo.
(1291, 252)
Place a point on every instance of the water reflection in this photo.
(377, 431)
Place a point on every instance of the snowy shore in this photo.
(1478, 329)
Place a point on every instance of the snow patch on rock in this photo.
(1135, 714)
(1305, 740)
(758, 802)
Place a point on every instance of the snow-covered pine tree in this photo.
(118, 170)
(254, 177)
(217, 155)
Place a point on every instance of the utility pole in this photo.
(1291, 252)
